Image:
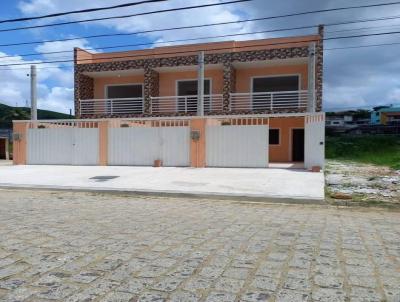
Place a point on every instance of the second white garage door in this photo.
(140, 146)
(237, 146)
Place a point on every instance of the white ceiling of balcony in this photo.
(266, 63)
(187, 68)
(114, 73)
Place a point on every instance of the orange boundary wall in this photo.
(280, 153)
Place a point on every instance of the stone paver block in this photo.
(221, 297)
(229, 285)
(67, 246)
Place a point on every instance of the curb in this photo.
(173, 194)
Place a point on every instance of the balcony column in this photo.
(319, 68)
(311, 78)
(84, 90)
(151, 88)
(229, 74)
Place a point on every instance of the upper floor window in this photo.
(187, 89)
(278, 85)
(125, 98)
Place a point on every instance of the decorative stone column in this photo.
(319, 68)
(83, 90)
(229, 74)
(151, 88)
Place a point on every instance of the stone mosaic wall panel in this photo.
(151, 87)
(229, 74)
(319, 69)
(83, 89)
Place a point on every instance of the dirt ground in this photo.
(365, 184)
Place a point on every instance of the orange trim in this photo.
(282, 152)
(19, 146)
(103, 143)
(198, 147)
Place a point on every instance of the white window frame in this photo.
(189, 80)
(272, 76)
(280, 137)
(275, 76)
(125, 84)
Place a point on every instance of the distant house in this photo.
(385, 115)
(339, 120)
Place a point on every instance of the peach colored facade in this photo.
(277, 153)
(230, 66)
(283, 151)
(233, 68)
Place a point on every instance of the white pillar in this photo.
(33, 93)
(200, 85)
(311, 104)
(314, 140)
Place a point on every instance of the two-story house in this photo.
(248, 104)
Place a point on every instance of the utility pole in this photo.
(33, 93)
(200, 85)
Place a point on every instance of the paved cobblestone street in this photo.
(64, 246)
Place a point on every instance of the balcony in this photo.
(269, 101)
(280, 101)
(185, 104)
(117, 106)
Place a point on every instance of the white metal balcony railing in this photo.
(257, 101)
(111, 106)
(272, 101)
(185, 104)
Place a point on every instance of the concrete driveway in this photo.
(66, 246)
(280, 184)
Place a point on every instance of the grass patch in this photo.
(369, 149)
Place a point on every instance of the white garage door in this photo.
(237, 146)
(140, 146)
(63, 146)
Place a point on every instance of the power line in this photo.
(125, 16)
(88, 10)
(169, 41)
(329, 49)
(195, 51)
(221, 36)
(176, 28)
(363, 46)
(166, 53)
(361, 28)
(201, 6)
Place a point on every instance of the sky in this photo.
(356, 77)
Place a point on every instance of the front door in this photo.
(298, 145)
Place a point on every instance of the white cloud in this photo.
(62, 46)
(149, 22)
(394, 95)
(15, 85)
(57, 99)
